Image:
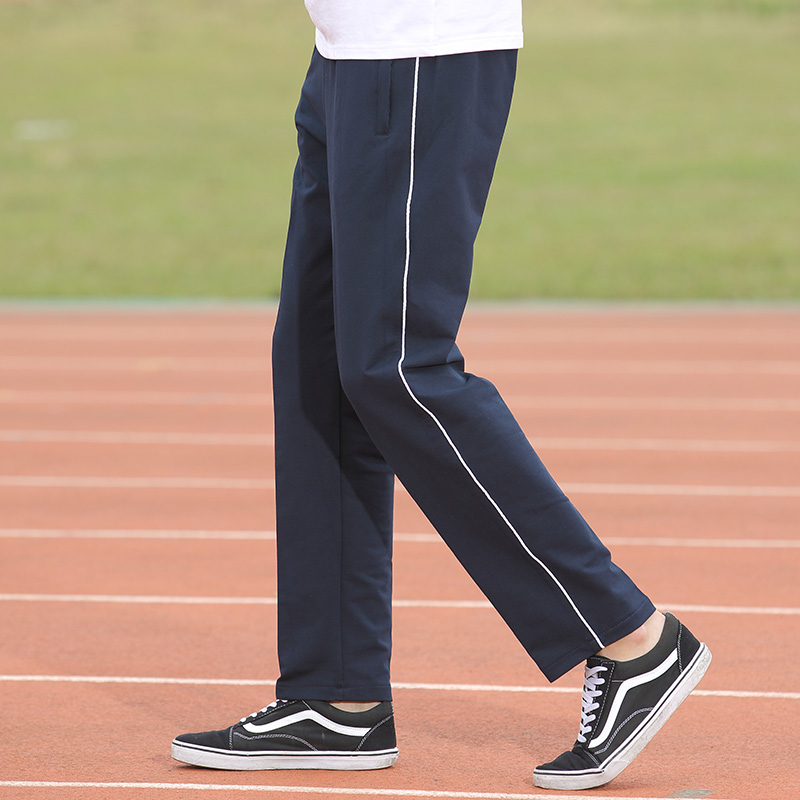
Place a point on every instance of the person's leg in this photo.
(448, 435)
(334, 492)
(407, 199)
(334, 497)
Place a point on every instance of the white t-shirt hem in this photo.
(423, 50)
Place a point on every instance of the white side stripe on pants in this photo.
(425, 408)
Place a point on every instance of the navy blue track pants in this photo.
(396, 159)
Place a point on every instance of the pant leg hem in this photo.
(629, 624)
(335, 694)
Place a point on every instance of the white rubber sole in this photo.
(589, 779)
(223, 759)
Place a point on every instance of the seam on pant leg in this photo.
(341, 550)
(422, 406)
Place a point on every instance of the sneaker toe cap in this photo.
(573, 760)
(219, 740)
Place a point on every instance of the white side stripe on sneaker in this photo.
(310, 714)
(624, 688)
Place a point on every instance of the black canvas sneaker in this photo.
(624, 704)
(296, 734)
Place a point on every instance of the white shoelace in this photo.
(273, 704)
(591, 681)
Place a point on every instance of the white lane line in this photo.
(138, 437)
(667, 445)
(679, 607)
(651, 489)
(165, 336)
(626, 366)
(425, 538)
(136, 364)
(22, 436)
(72, 533)
(136, 680)
(525, 332)
(90, 482)
(138, 599)
(472, 332)
(702, 609)
(400, 686)
(680, 490)
(471, 687)
(104, 398)
(214, 601)
(665, 541)
(127, 599)
(28, 397)
(566, 366)
(584, 403)
(310, 790)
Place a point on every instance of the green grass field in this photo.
(146, 150)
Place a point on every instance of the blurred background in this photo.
(653, 152)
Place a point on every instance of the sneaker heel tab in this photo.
(671, 621)
(688, 645)
(382, 736)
